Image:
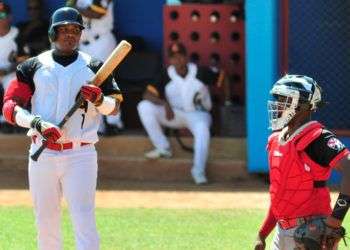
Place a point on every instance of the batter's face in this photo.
(67, 39)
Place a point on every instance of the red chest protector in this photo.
(294, 176)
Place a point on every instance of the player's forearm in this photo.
(345, 168)
(94, 11)
(155, 99)
(268, 224)
(15, 114)
(89, 13)
(342, 203)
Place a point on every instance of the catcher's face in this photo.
(68, 37)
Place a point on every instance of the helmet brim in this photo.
(67, 23)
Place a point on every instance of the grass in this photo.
(151, 229)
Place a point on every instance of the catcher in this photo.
(301, 155)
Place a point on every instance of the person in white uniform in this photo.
(97, 38)
(179, 99)
(8, 45)
(51, 82)
(8, 52)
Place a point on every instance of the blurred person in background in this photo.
(180, 98)
(99, 41)
(222, 83)
(32, 38)
(8, 53)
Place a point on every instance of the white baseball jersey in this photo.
(93, 26)
(182, 92)
(55, 90)
(8, 45)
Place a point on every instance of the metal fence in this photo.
(319, 46)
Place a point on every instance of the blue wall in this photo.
(132, 18)
(261, 73)
(141, 18)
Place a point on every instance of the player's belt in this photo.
(290, 223)
(60, 146)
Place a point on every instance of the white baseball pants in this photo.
(73, 174)
(283, 239)
(198, 122)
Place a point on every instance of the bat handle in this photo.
(77, 104)
(37, 153)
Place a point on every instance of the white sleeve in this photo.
(205, 98)
(83, 4)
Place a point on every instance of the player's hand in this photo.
(48, 130)
(169, 113)
(260, 243)
(91, 93)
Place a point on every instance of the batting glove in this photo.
(48, 130)
(92, 94)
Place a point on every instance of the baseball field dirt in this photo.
(164, 195)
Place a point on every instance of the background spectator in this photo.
(179, 99)
(32, 38)
(8, 52)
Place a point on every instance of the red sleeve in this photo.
(268, 225)
(19, 92)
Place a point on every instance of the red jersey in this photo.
(297, 182)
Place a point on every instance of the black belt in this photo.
(86, 42)
(320, 184)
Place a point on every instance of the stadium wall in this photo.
(132, 18)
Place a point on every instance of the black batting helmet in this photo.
(63, 16)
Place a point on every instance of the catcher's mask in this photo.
(289, 95)
(64, 16)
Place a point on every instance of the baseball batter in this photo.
(51, 82)
(180, 99)
(97, 38)
(301, 155)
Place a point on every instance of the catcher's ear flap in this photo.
(52, 34)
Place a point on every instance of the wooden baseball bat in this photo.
(114, 59)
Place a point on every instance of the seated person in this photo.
(32, 38)
(179, 99)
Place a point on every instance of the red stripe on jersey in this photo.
(19, 92)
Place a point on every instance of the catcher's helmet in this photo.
(63, 16)
(290, 94)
